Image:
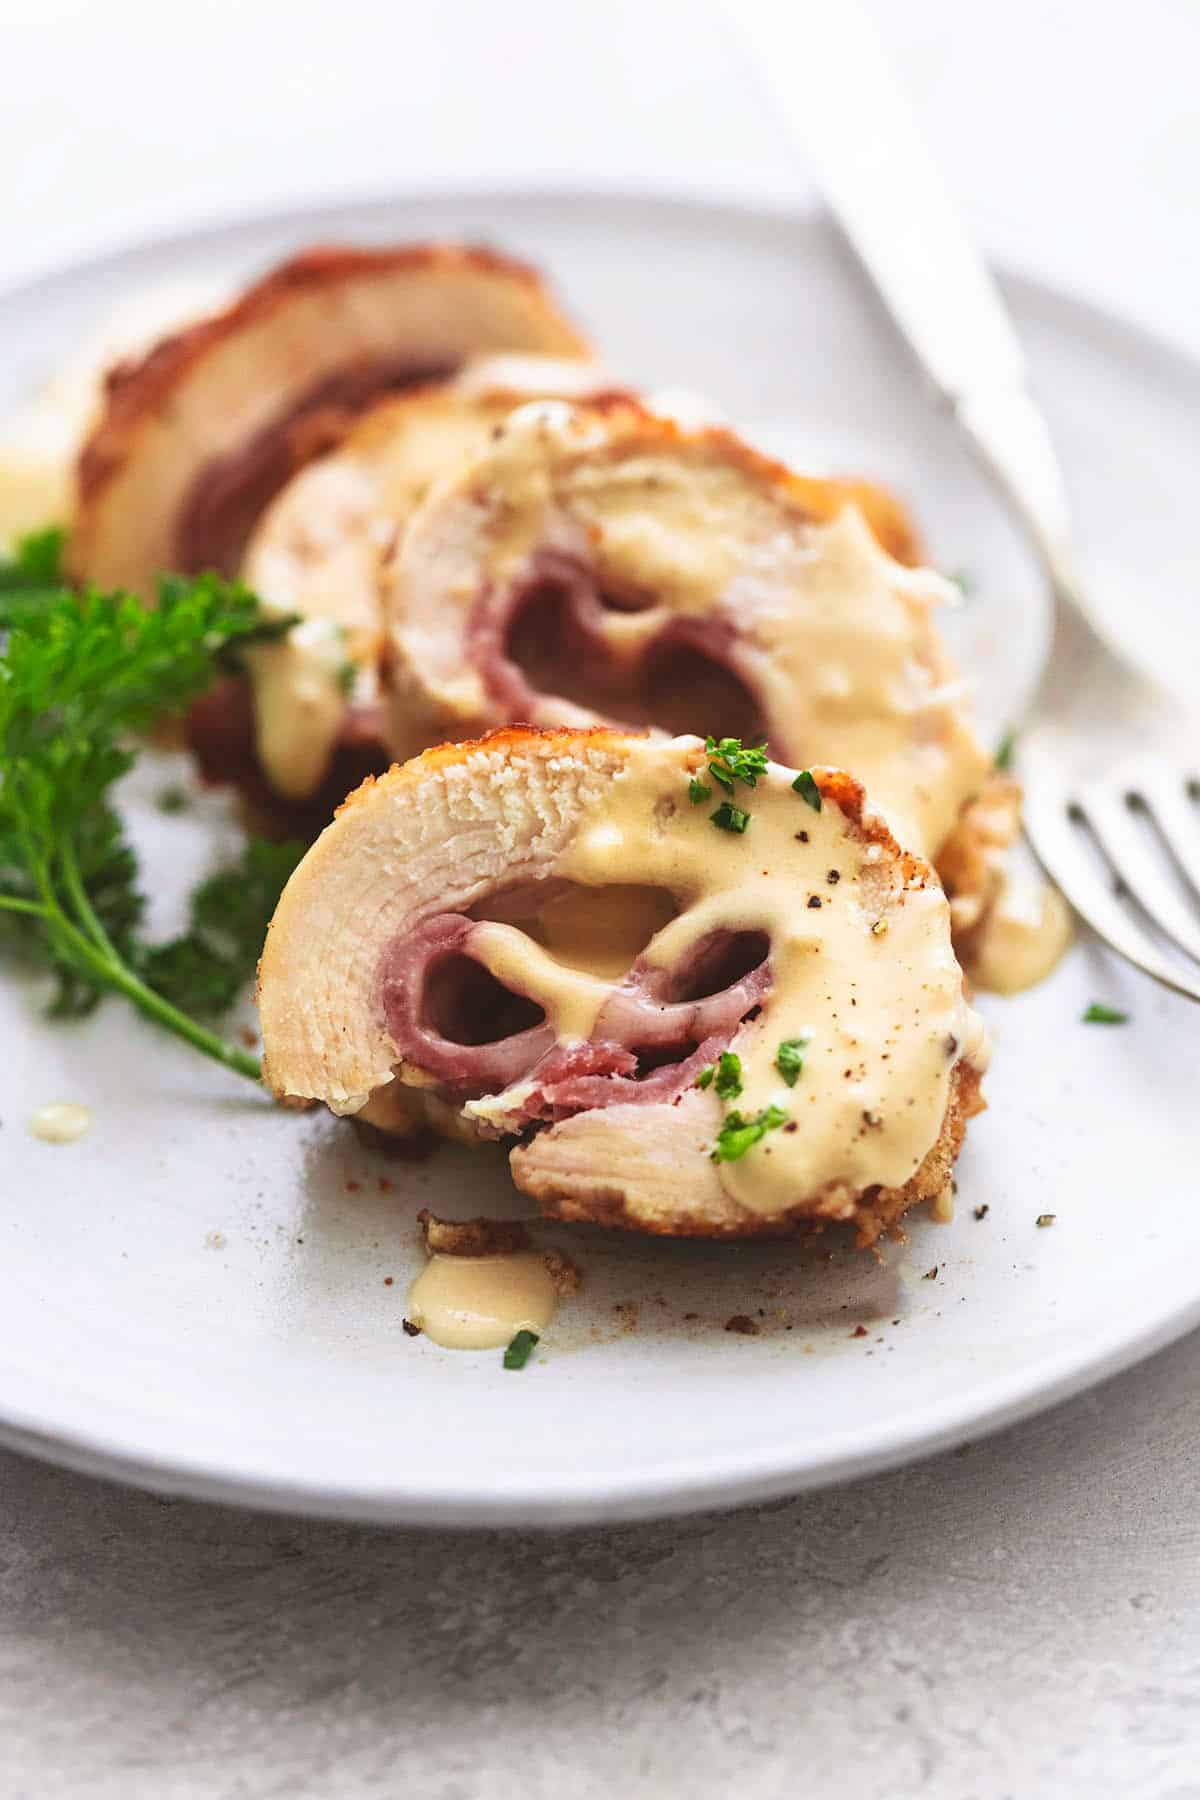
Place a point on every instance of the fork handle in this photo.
(1009, 435)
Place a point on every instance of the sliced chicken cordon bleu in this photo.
(706, 994)
(599, 563)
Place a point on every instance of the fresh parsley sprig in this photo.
(205, 970)
(32, 578)
(78, 674)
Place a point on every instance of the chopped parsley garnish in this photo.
(1005, 750)
(520, 1350)
(78, 675)
(729, 1075)
(730, 761)
(705, 1077)
(698, 792)
(789, 1059)
(806, 787)
(347, 676)
(1099, 1014)
(729, 817)
(737, 1135)
(171, 800)
(964, 581)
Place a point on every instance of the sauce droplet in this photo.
(481, 1302)
(61, 1122)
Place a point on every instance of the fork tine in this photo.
(1122, 840)
(1177, 818)
(1056, 844)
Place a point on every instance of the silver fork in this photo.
(1123, 843)
(1121, 846)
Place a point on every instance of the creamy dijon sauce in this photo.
(868, 976)
(855, 663)
(1021, 939)
(62, 1122)
(481, 1302)
(299, 702)
(836, 637)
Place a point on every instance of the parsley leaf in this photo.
(698, 792)
(705, 1077)
(729, 1075)
(205, 970)
(76, 677)
(806, 787)
(789, 1059)
(1004, 751)
(520, 1349)
(729, 761)
(33, 577)
(37, 561)
(1099, 1014)
(729, 817)
(737, 1135)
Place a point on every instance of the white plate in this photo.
(195, 1293)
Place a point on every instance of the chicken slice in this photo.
(771, 1032)
(195, 437)
(599, 564)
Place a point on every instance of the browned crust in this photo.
(139, 388)
(472, 1237)
(970, 862)
(876, 1214)
(440, 756)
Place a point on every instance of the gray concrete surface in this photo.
(1015, 1619)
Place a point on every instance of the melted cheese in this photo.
(862, 968)
(594, 932)
(481, 1302)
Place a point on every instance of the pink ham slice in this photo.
(450, 1018)
(545, 644)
